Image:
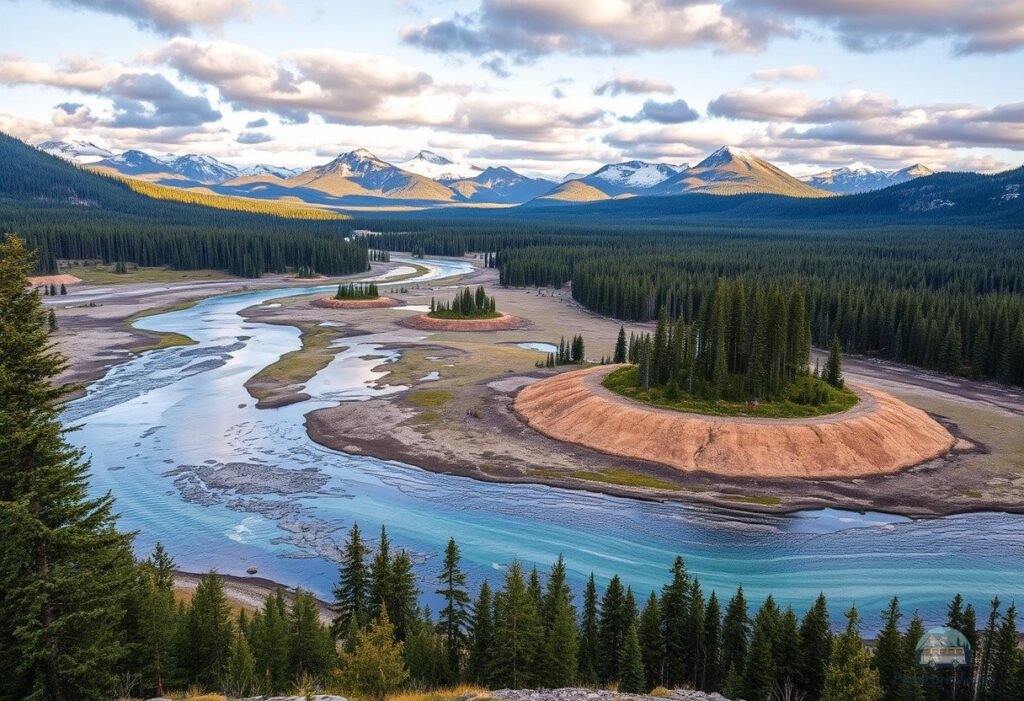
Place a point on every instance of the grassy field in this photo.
(105, 275)
(169, 339)
(623, 381)
(296, 367)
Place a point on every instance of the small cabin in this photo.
(943, 648)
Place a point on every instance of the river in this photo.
(176, 438)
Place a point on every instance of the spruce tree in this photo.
(157, 620)
(760, 675)
(558, 668)
(651, 640)
(695, 635)
(270, 643)
(241, 674)
(589, 644)
(612, 628)
(815, 649)
(889, 659)
(65, 571)
(454, 617)
(376, 665)
(517, 632)
(834, 365)
(351, 595)
(675, 613)
(481, 638)
(380, 576)
(402, 607)
(735, 634)
(632, 678)
(210, 633)
(620, 347)
(849, 676)
(311, 644)
(786, 650)
(713, 644)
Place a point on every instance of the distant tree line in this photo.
(947, 298)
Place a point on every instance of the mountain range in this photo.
(358, 178)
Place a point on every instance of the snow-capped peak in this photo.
(436, 167)
(361, 154)
(636, 174)
(76, 150)
(725, 155)
(263, 169)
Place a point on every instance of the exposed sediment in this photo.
(375, 303)
(881, 435)
(505, 322)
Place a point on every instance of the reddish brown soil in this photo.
(380, 302)
(505, 322)
(881, 435)
(62, 279)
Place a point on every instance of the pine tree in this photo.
(786, 650)
(481, 636)
(620, 347)
(375, 666)
(351, 593)
(1005, 679)
(815, 649)
(589, 644)
(612, 627)
(402, 607)
(380, 576)
(241, 674)
(849, 676)
(713, 643)
(209, 631)
(51, 321)
(454, 617)
(651, 640)
(675, 613)
(834, 366)
(632, 679)
(157, 620)
(311, 644)
(270, 643)
(735, 634)
(889, 659)
(760, 674)
(65, 571)
(517, 632)
(695, 635)
(558, 668)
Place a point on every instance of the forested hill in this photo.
(67, 212)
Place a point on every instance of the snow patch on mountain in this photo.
(75, 150)
(436, 167)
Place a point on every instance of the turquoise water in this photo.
(176, 438)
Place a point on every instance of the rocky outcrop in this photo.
(599, 695)
(881, 435)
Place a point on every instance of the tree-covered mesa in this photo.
(355, 290)
(67, 213)
(466, 304)
(947, 298)
(747, 346)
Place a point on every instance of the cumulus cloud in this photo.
(771, 104)
(138, 100)
(973, 26)
(633, 85)
(257, 123)
(253, 137)
(675, 112)
(525, 29)
(798, 73)
(168, 17)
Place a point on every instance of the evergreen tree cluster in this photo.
(745, 342)
(355, 290)
(569, 353)
(467, 304)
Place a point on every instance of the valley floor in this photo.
(456, 414)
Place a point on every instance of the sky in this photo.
(546, 87)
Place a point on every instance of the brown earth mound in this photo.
(505, 322)
(331, 303)
(880, 435)
(62, 279)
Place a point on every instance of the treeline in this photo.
(355, 290)
(67, 213)
(949, 299)
(466, 304)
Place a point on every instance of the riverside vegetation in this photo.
(80, 618)
(466, 304)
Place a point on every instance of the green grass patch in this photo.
(105, 275)
(972, 493)
(296, 367)
(418, 271)
(166, 309)
(166, 340)
(623, 381)
(762, 500)
(613, 475)
(430, 398)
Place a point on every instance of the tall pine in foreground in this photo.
(454, 617)
(351, 595)
(64, 568)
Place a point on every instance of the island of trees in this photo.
(747, 350)
(354, 290)
(466, 304)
